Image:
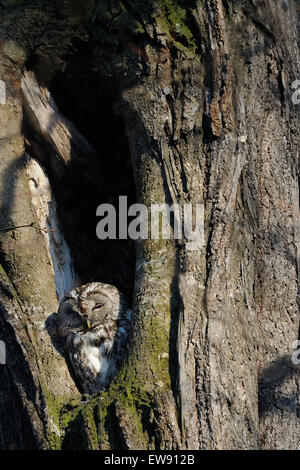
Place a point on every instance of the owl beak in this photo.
(87, 322)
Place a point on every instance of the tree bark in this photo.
(204, 92)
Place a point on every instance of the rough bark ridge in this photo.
(204, 91)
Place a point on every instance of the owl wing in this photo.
(115, 345)
(86, 367)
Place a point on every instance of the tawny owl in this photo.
(95, 321)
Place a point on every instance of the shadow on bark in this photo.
(270, 399)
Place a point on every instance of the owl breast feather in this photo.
(93, 364)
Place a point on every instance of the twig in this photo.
(32, 225)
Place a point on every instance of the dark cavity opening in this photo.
(88, 102)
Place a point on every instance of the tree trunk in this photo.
(165, 102)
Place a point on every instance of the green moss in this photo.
(175, 22)
(53, 408)
(134, 414)
(58, 417)
(124, 20)
(77, 425)
(94, 425)
(102, 418)
(90, 426)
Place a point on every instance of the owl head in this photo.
(88, 307)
